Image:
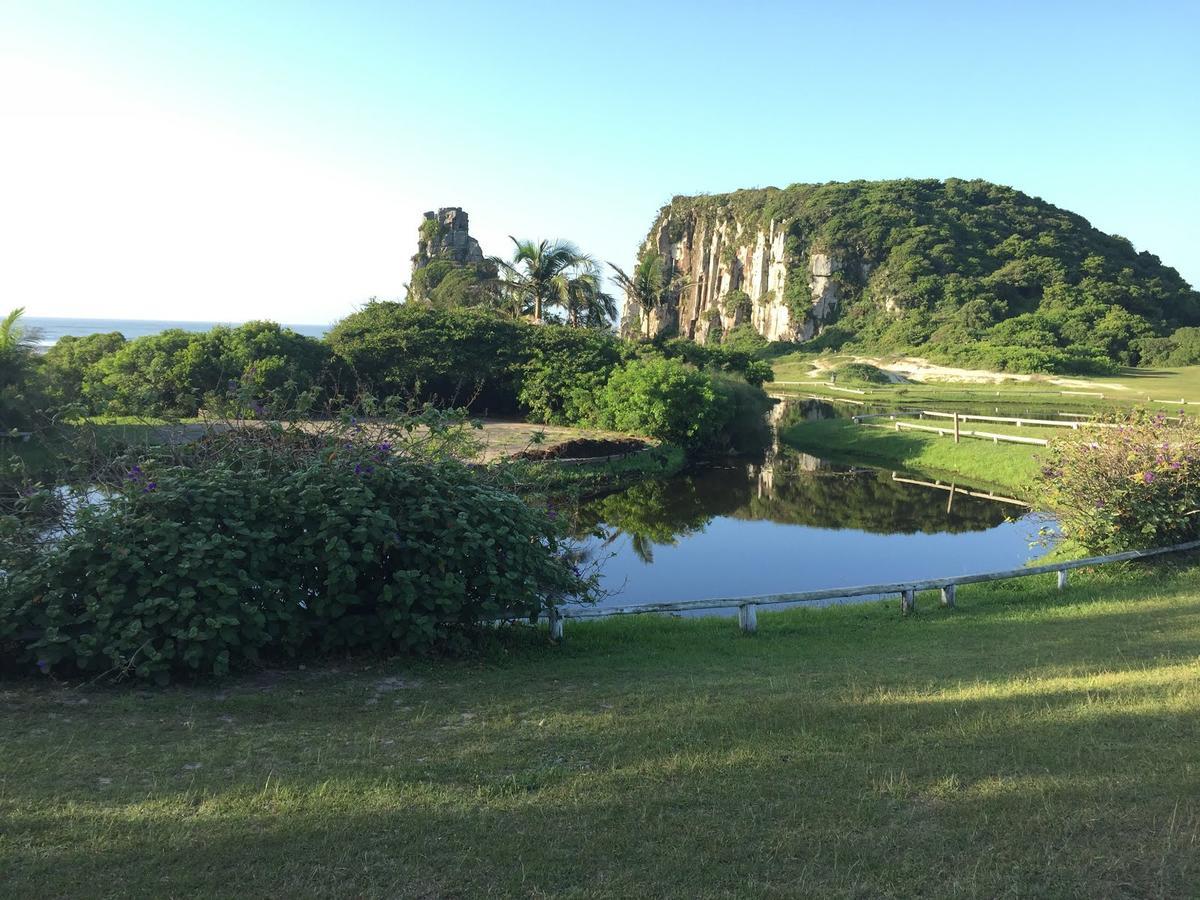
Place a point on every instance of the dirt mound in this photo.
(585, 448)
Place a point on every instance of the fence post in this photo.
(1062, 579)
(556, 625)
(908, 602)
(956, 426)
(748, 618)
(948, 595)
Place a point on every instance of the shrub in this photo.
(665, 399)
(862, 373)
(1131, 487)
(282, 549)
(463, 357)
(70, 363)
(178, 373)
(745, 338)
(734, 360)
(563, 371)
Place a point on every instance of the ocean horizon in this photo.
(49, 329)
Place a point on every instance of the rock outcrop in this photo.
(449, 268)
(446, 235)
(727, 274)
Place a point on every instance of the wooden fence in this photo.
(747, 607)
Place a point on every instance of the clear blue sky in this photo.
(229, 160)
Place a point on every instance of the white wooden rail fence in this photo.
(747, 607)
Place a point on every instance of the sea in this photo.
(48, 330)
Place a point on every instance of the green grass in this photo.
(1139, 386)
(1006, 467)
(1028, 744)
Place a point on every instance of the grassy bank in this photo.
(1030, 743)
(1005, 467)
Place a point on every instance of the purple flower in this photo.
(1099, 504)
(259, 409)
(43, 666)
(135, 473)
(233, 385)
(1175, 465)
(1147, 477)
(150, 486)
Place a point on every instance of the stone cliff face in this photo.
(445, 235)
(727, 274)
(449, 268)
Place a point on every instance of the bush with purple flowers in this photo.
(1129, 487)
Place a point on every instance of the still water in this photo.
(792, 522)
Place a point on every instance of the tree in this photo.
(17, 370)
(540, 275)
(645, 289)
(587, 303)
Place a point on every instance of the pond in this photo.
(792, 522)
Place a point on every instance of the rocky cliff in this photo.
(727, 273)
(899, 264)
(449, 268)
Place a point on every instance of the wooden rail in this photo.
(955, 489)
(747, 607)
(951, 432)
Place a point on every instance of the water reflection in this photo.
(789, 488)
(789, 521)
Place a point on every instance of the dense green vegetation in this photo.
(1030, 743)
(19, 387)
(1127, 488)
(400, 354)
(262, 545)
(969, 272)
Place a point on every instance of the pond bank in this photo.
(1004, 467)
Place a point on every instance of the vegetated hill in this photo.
(964, 271)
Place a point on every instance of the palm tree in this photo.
(540, 275)
(587, 302)
(12, 334)
(645, 289)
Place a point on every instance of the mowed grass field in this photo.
(1030, 743)
(1131, 387)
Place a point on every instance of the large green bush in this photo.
(563, 371)
(178, 373)
(292, 549)
(1126, 488)
(665, 399)
(69, 366)
(463, 357)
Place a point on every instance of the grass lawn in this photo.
(1028, 744)
(1129, 388)
(1006, 467)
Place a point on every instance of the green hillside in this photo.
(965, 271)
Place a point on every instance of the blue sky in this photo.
(223, 160)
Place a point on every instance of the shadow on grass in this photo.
(1030, 743)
